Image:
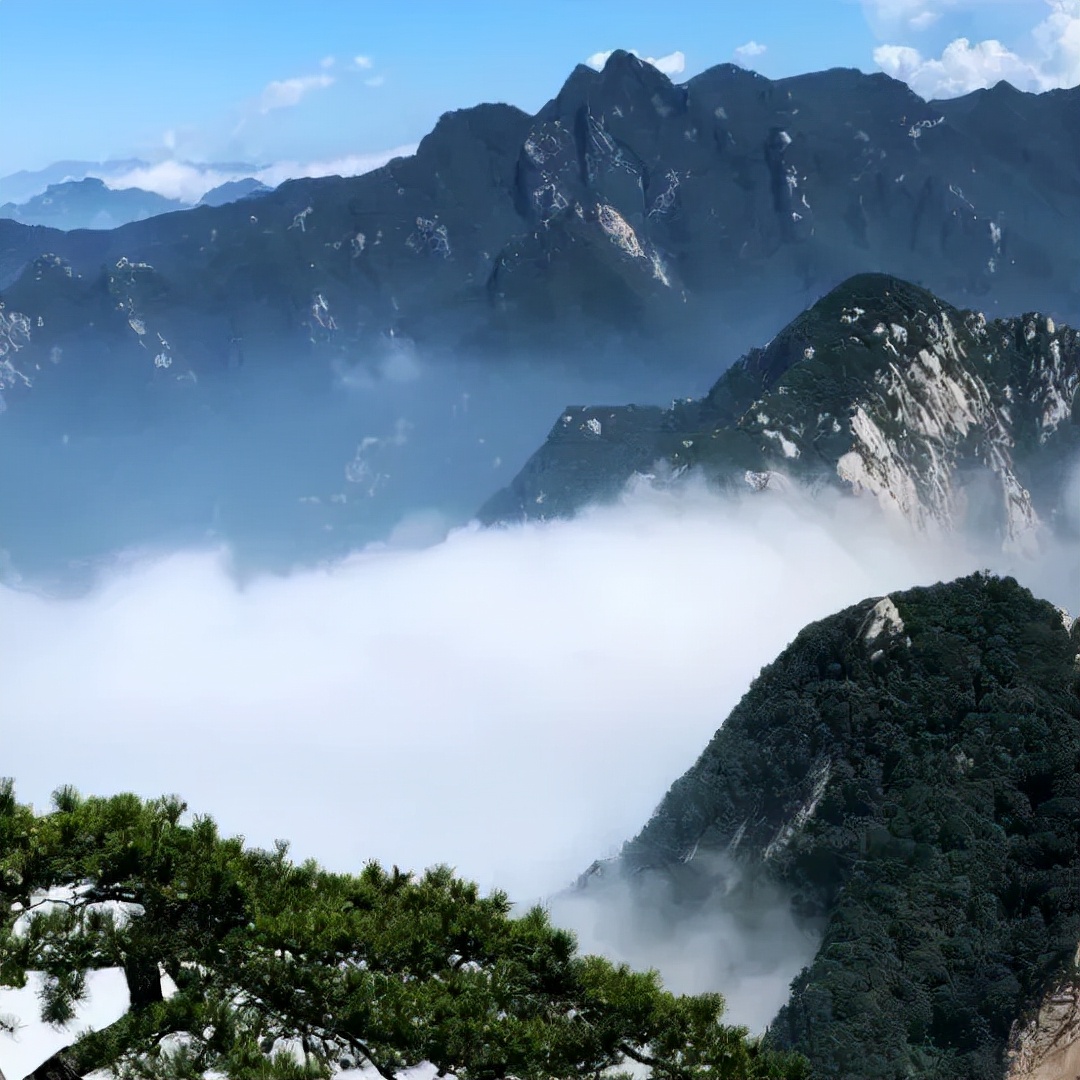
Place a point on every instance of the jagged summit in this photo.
(881, 389)
(880, 298)
(629, 213)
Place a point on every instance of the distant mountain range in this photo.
(19, 187)
(880, 388)
(629, 212)
(906, 771)
(91, 204)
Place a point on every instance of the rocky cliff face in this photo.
(628, 211)
(1046, 1046)
(908, 771)
(880, 389)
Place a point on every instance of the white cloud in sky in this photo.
(748, 51)
(327, 62)
(1051, 59)
(962, 67)
(673, 63)
(892, 15)
(924, 20)
(375, 80)
(1057, 38)
(363, 62)
(284, 93)
(350, 165)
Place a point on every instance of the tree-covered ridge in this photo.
(910, 770)
(282, 970)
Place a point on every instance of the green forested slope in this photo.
(911, 772)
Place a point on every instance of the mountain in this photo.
(907, 772)
(308, 369)
(18, 187)
(89, 204)
(232, 190)
(626, 215)
(945, 418)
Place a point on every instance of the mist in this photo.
(513, 702)
(744, 942)
(283, 459)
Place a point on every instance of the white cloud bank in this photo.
(672, 64)
(1050, 60)
(189, 181)
(513, 702)
(22, 1051)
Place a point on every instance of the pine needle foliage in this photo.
(286, 971)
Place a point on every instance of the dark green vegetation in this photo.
(879, 386)
(290, 971)
(910, 772)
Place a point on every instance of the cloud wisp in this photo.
(746, 53)
(284, 93)
(189, 181)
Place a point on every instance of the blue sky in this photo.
(280, 81)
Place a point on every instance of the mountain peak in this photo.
(854, 773)
(880, 389)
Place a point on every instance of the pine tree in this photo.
(287, 971)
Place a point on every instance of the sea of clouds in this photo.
(511, 701)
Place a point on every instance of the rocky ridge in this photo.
(628, 211)
(881, 389)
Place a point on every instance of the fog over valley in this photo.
(511, 701)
